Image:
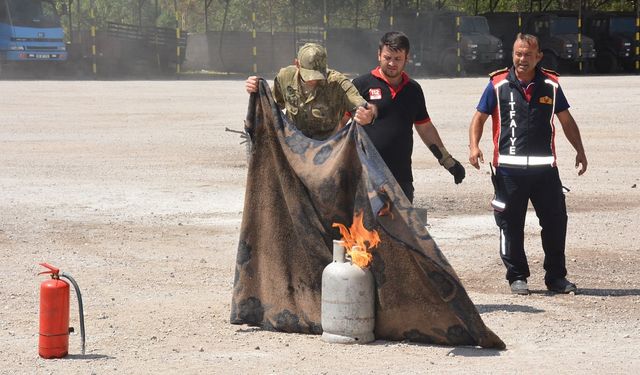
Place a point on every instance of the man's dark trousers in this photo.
(545, 191)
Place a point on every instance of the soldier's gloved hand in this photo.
(449, 163)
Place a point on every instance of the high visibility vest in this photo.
(524, 130)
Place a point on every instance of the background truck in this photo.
(30, 33)
(435, 46)
(613, 35)
(124, 49)
(560, 41)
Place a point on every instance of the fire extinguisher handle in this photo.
(52, 270)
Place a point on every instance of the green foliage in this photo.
(278, 15)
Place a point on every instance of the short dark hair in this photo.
(531, 40)
(395, 40)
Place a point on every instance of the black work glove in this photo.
(448, 162)
(457, 170)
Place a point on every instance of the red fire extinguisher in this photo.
(54, 314)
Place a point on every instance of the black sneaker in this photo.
(519, 287)
(561, 286)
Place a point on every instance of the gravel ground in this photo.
(135, 189)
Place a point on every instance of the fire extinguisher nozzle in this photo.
(80, 309)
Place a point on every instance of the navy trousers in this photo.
(544, 189)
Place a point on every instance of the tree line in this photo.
(282, 15)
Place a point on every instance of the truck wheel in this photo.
(606, 62)
(450, 65)
(549, 60)
(414, 70)
(629, 66)
(587, 66)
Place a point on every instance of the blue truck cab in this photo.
(30, 30)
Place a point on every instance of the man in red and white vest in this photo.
(522, 101)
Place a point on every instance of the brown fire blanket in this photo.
(296, 189)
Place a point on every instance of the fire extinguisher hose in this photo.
(80, 309)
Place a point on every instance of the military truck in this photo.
(558, 34)
(613, 34)
(435, 46)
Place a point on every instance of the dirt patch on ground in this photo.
(136, 190)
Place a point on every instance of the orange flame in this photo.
(358, 241)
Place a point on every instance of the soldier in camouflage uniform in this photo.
(315, 98)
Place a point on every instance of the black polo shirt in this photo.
(398, 110)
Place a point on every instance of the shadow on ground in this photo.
(474, 352)
(609, 292)
(88, 356)
(508, 308)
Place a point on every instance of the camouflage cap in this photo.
(312, 58)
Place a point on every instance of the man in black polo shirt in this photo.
(401, 105)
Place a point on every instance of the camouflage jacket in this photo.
(319, 112)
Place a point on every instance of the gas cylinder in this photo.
(54, 314)
(347, 310)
